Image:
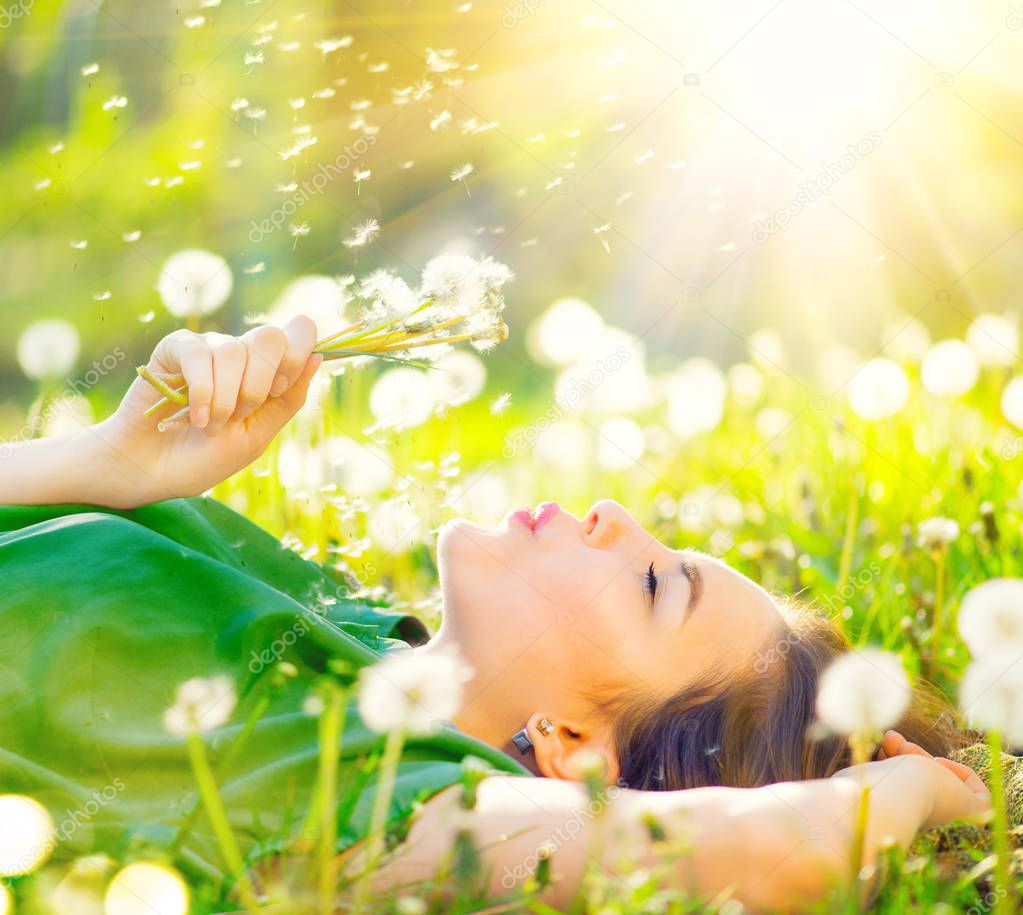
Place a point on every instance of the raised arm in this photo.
(242, 390)
(777, 848)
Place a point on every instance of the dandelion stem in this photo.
(1000, 827)
(861, 746)
(218, 820)
(258, 710)
(378, 819)
(849, 540)
(162, 386)
(331, 726)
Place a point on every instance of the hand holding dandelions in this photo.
(241, 391)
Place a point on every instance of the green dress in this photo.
(103, 613)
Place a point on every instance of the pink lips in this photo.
(534, 520)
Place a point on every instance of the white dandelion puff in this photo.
(194, 282)
(991, 694)
(48, 348)
(991, 616)
(878, 389)
(995, 339)
(1012, 402)
(144, 888)
(412, 692)
(27, 837)
(937, 532)
(863, 692)
(950, 369)
(201, 704)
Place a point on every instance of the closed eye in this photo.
(651, 583)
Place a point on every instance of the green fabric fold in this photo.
(104, 612)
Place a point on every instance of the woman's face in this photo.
(548, 608)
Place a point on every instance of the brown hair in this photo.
(759, 727)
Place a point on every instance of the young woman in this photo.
(695, 686)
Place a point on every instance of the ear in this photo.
(560, 752)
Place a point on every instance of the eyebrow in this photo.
(695, 578)
(691, 571)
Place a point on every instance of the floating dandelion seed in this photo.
(90, 69)
(253, 57)
(364, 234)
(115, 101)
(298, 230)
(461, 173)
(407, 164)
(552, 184)
(195, 22)
(441, 120)
(500, 403)
(299, 145)
(600, 232)
(360, 175)
(147, 316)
(239, 104)
(101, 296)
(330, 45)
(415, 693)
(132, 236)
(80, 245)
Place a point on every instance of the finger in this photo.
(278, 410)
(197, 367)
(266, 346)
(229, 359)
(301, 334)
(968, 777)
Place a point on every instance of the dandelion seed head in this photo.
(194, 282)
(991, 616)
(412, 692)
(878, 389)
(200, 705)
(950, 369)
(48, 348)
(863, 693)
(991, 693)
(937, 532)
(28, 835)
(144, 888)
(995, 339)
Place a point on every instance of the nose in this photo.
(608, 524)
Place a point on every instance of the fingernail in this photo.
(202, 416)
(280, 386)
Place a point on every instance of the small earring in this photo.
(545, 726)
(522, 740)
